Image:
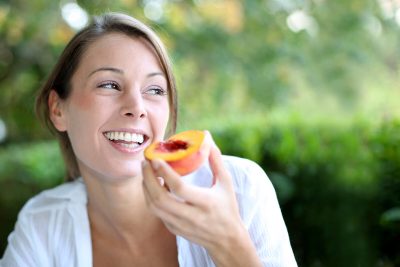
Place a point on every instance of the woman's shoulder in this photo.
(50, 228)
(247, 175)
(241, 166)
(56, 198)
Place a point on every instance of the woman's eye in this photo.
(109, 85)
(156, 91)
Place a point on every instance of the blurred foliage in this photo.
(309, 89)
(386, 149)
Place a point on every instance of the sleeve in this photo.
(262, 216)
(20, 250)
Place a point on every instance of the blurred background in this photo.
(309, 89)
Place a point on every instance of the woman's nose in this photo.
(133, 106)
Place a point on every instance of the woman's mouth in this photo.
(126, 141)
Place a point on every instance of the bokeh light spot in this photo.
(74, 15)
(3, 131)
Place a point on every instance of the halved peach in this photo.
(184, 152)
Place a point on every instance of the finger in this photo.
(158, 198)
(156, 192)
(215, 157)
(215, 160)
(179, 217)
(220, 174)
(159, 209)
(151, 182)
(189, 193)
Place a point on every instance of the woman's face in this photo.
(118, 105)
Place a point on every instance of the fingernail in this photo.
(161, 181)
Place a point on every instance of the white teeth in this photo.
(125, 136)
(131, 146)
(139, 138)
(128, 137)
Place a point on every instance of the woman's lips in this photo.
(126, 141)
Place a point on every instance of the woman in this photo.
(111, 94)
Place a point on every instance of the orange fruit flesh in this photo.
(171, 146)
(177, 147)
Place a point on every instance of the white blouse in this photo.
(53, 227)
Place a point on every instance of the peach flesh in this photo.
(171, 146)
(184, 152)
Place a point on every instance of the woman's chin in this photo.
(120, 171)
(129, 173)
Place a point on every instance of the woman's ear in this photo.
(56, 111)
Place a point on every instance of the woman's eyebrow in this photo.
(152, 74)
(106, 69)
(119, 71)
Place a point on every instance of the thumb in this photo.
(220, 174)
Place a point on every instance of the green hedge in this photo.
(338, 185)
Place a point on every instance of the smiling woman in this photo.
(125, 83)
(106, 27)
(111, 95)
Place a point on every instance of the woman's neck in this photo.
(118, 210)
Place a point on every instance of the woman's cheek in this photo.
(162, 115)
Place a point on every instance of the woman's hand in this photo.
(206, 216)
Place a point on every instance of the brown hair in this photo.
(60, 77)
